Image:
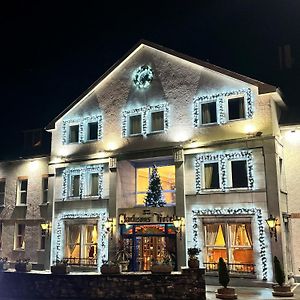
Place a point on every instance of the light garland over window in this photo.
(199, 213)
(222, 159)
(145, 112)
(58, 240)
(220, 99)
(83, 172)
(83, 127)
(143, 76)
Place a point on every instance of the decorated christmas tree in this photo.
(154, 197)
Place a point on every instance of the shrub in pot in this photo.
(60, 267)
(23, 265)
(225, 292)
(4, 265)
(280, 289)
(193, 261)
(163, 267)
(123, 255)
(110, 267)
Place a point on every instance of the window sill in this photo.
(19, 250)
(156, 132)
(21, 205)
(135, 135)
(41, 250)
(208, 124)
(233, 120)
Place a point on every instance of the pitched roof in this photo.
(263, 88)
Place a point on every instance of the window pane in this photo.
(208, 113)
(142, 179)
(211, 176)
(23, 185)
(140, 198)
(23, 197)
(157, 121)
(75, 185)
(167, 177)
(2, 186)
(170, 197)
(92, 131)
(239, 173)
(94, 184)
(74, 134)
(236, 108)
(135, 124)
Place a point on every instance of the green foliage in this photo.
(223, 273)
(154, 195)
(279, 273)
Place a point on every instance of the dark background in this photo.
(51, 52)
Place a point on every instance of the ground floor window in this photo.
(81, 243)
(231, 240)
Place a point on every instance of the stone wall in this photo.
(189, 284)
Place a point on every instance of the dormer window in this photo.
(74, 133)
(236, 108)
(135, 125)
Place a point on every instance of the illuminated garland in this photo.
(145, 112)
(235, 211)
(59, 228)
(83, 172)
(222, 159)
(143, 76)
(220, 99)
(83, 126)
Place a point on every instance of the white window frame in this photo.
(16, 235)
(90, 184)
(230, 177)
(87, 138)
(200, 113)
(69, 133)
(2, 194)
(150, 121)
(203, 175)
(227, 107)
(20, 192)
(129, 124)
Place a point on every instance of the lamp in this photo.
(46, 226)
(272, 223)
(178, 223)
(109, 226)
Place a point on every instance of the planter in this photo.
(193, 263)
(226, 293)
(161, 269)
(124, 265)
(60, 269)
(110, 269)
(282, 291)
(4, 266)
(23, 267)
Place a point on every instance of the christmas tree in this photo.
(154, 195)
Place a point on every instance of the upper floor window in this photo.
(45, 189)
(167, 179)
(93, 184)
(22, 191)
(236, 108)
(211, 175)
(157, 121)
(239, 175)
(19, 237)
(209, 113)
(135, 125)
(43, 235)
(1, 228)
(82, 130)
(2, 191)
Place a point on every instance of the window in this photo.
(19, 236)
(208, 113)
(22, 192)
(167, 179)
(239, 174)
(135, 125)
(211, 176)
(81, 244)
(94, 184)
(2, 191)
(236, 108)
(43, 239)
(1, 227)
(74, 133)
(232, 241)
(92, 131)
(157, 121)
(75, 186)
(45, 189)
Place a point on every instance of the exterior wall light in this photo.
(47, 227)
(272, 223)
(178, 223)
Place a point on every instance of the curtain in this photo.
(157, 121)
(74, 237)
(211, 233)
(233, 232)
(75, 185)
(249, 234)
(94, 184)
(206, 117)
(241, 108)
(208, 170)
(135, 124)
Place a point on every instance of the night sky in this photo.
(52, 52)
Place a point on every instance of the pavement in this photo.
(253, 293)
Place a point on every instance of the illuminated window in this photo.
(236, 108)
(208, 113)
(232, 241)
(92, 133)
(45, 189)
(135, 124)
(19, 241)
(211, 175)
(157, 121)
(43, 239)
(239, 174)
(22, 191)
(2, 191)
(74, 133)
(167, 179)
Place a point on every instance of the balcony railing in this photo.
(75, 261)
(232, 267)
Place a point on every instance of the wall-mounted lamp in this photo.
(272, 223)
(46, 226)
(109, 226)
(178, 223)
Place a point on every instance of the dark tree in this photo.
(279, 273)
(154, 195)
(223, 273)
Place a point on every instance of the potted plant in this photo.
(280, 289)
(60, 267)
(110, 267)
(193, 261)
(163, 267)
(225, 292)
(4, 265)
(23, 265)
(123, 255)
